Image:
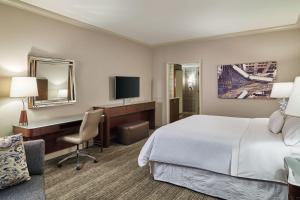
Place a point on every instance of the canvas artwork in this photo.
(247, 80)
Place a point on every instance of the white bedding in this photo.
(261, 153)
(240, 147)
(219, 185)
(199, 141)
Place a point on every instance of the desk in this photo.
(116, 115)
(50, 130)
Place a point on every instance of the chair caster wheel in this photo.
(78, 168)
(95, 161)
(59, 165)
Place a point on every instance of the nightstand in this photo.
(292, 164)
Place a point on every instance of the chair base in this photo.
(76, 155)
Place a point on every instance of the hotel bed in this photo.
(225, 157)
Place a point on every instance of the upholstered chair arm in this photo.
(35, 155)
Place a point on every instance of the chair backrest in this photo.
(89, 125)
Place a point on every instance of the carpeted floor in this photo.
(116, 176)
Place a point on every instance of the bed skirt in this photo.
(218, 185)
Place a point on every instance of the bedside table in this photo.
(292, 164)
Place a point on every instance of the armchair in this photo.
(34, 188)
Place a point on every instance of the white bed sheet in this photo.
(239, 147)
(219, 185)
(261, 154)
(199, 141)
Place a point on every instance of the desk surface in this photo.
(120, 104)
(51, 122)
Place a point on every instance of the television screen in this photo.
(127, 87)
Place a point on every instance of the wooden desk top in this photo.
(120, 104)
(51, 122)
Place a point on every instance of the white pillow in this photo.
(276, 122)
(291, 131)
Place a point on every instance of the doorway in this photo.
(184, 91)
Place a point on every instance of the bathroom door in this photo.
(191, 90)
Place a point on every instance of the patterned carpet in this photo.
(116, 176)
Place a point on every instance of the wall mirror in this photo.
(55, 80)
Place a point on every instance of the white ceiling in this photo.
(161, 21)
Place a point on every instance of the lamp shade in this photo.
(282, 90)
(23, 87)
(293, 107)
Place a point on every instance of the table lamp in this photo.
(23, 87)
(282, 91)
(293, 106)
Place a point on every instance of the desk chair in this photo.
(88, 130)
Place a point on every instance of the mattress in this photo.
(240, 147)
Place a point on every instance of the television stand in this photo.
(116, 115)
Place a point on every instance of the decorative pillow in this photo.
(291, 130)
(276, 122)
(13, 165)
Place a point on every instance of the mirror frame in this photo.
(32, 63)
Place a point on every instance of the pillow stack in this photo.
(289, 126)
(13, 165)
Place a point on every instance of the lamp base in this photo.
(283, 103)
(23, 121)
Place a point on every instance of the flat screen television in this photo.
(127, 87)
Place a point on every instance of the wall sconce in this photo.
(191, 80)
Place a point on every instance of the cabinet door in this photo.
(294, 192)
(174, 110)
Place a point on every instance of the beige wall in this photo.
(282, 46)
(98, 56)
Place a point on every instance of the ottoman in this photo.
(132, 132)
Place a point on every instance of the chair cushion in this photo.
(13, 166)
(33, 189)
(74, 139)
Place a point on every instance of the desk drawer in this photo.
(117, 111)
(134, 108)
(70, 125)
(46, 130)
(140, 107)
(149, 106)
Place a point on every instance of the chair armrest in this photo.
(35, 154)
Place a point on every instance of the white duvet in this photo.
(239, 147)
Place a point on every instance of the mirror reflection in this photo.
(55, 79)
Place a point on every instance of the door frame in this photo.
(167, 99)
